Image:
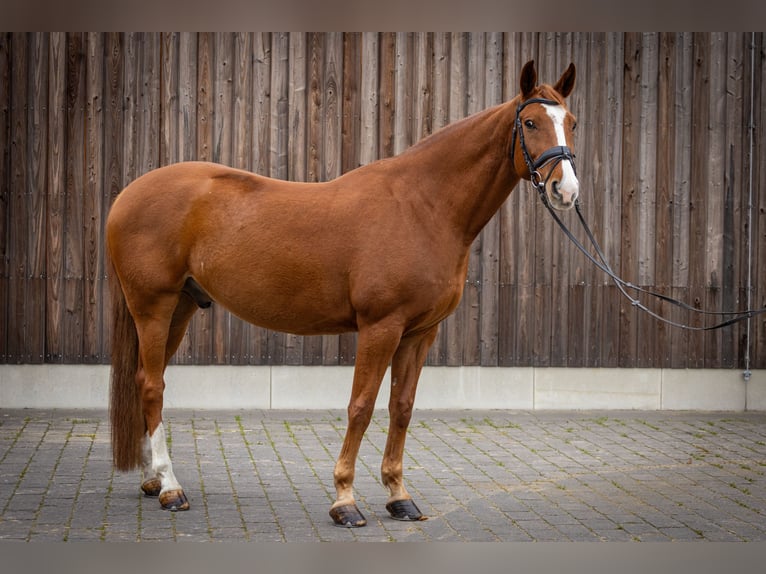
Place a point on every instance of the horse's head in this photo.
(543, 135)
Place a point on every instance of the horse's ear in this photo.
(528, 80)
(566, 82)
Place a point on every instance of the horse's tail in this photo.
(125, 411)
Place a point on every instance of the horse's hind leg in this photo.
(405, 371)
(160, 331)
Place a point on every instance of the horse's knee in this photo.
(360, 413)
(400, 414)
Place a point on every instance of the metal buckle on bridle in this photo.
(536, 178)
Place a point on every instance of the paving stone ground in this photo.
(478, 475)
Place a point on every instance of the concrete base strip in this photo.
(327, 387)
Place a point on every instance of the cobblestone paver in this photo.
(478, 475)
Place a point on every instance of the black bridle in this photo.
(558, 154)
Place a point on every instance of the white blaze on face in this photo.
(569, 187)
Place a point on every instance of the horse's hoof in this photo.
(152, 487)
(404, 510)
(174, 500)
(348, 516)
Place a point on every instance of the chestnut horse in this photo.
(382, 250)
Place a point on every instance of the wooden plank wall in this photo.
(663, 152)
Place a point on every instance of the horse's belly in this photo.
(286, 306)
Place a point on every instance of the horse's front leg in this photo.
(375, 348)
(405, 371)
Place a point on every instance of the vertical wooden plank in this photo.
(113, 156)
(387, 94)
(5, 187)
(223, 72)
(182, 63)
(369, 136)
(629, 220)
(544, 272)
(205, 96)
(646, 238)
(648, 77)
(758, 333)
(170, 135)
(454, 326)
(260, 163)
(37, 151)
(296, 154)
(278, 123)
(169, 95)
(664, 207)
(93, 270)
(560, 57)
(351, 109)
(242, 93)
(332, 98)
(717, 155)
(297, 108)
(490, 256)
(404, 69)
(735, 186)
(522, 218)
(188, 65)
(72, 326)
(441, 68)
(18, 236)
(312, 346)
(280, 51)
(54, 334)
(350, 132)
(700, 146)
(511, 323)
(202, 324)
(422, 90)
(130, 112)
(149, 102)
(581, 305)
(612, 201)
(471, 305)
(679, 339)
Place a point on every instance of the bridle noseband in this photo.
(555, 154)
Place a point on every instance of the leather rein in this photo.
(558, 154)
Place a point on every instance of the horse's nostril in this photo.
(556, 192)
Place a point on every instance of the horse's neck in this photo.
(463, 172)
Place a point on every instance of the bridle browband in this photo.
(558, 154)
(555, 154)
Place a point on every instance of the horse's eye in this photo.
(530, 124)
(574, 126)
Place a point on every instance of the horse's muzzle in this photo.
(562, 196)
